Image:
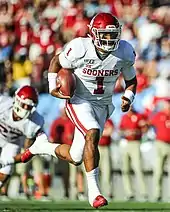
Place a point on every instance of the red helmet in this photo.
(105, 30)
(25, 101)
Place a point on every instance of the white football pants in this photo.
(85, 116)
(9, 150)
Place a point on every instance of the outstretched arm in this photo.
(19, 157)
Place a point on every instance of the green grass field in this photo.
(75, 206)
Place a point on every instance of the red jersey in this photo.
(161, 123)
(106, 140)
(131, 125)
(62, 130)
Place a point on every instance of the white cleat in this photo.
(39, 146)
(43, 146)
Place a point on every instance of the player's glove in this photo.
(126, 103)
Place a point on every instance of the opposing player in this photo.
(97, 62)
(18, 117)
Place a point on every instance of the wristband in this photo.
(129, 95)
(52, 78)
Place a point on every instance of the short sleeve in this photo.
(34, 125)
(72, 52)
(129, 55)
(128, 72)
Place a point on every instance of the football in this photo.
(67, 80)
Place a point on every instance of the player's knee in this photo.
(92, 137)
(76, 154)
(77, 163)
(76, 160)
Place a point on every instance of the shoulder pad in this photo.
(74, 49)
(126, 52)
(37, 119)
(35, 123)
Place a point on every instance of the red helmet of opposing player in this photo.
(105, 30)
(25, 101)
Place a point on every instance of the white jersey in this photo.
(96, 78)
(10, 130)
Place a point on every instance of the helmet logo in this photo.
(110, 27)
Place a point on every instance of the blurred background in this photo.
(134, 146)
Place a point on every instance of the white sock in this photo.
(49, 149)
(93, 184)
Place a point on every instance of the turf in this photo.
(75, 206)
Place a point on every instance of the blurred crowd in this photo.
(33, 31)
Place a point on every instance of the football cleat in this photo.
(99, 201)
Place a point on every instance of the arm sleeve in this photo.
(65, 62)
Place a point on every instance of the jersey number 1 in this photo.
(99, 89)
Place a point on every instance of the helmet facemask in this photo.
(107, 39)
(23, 108)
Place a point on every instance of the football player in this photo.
(97, 62)
(18, 117)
